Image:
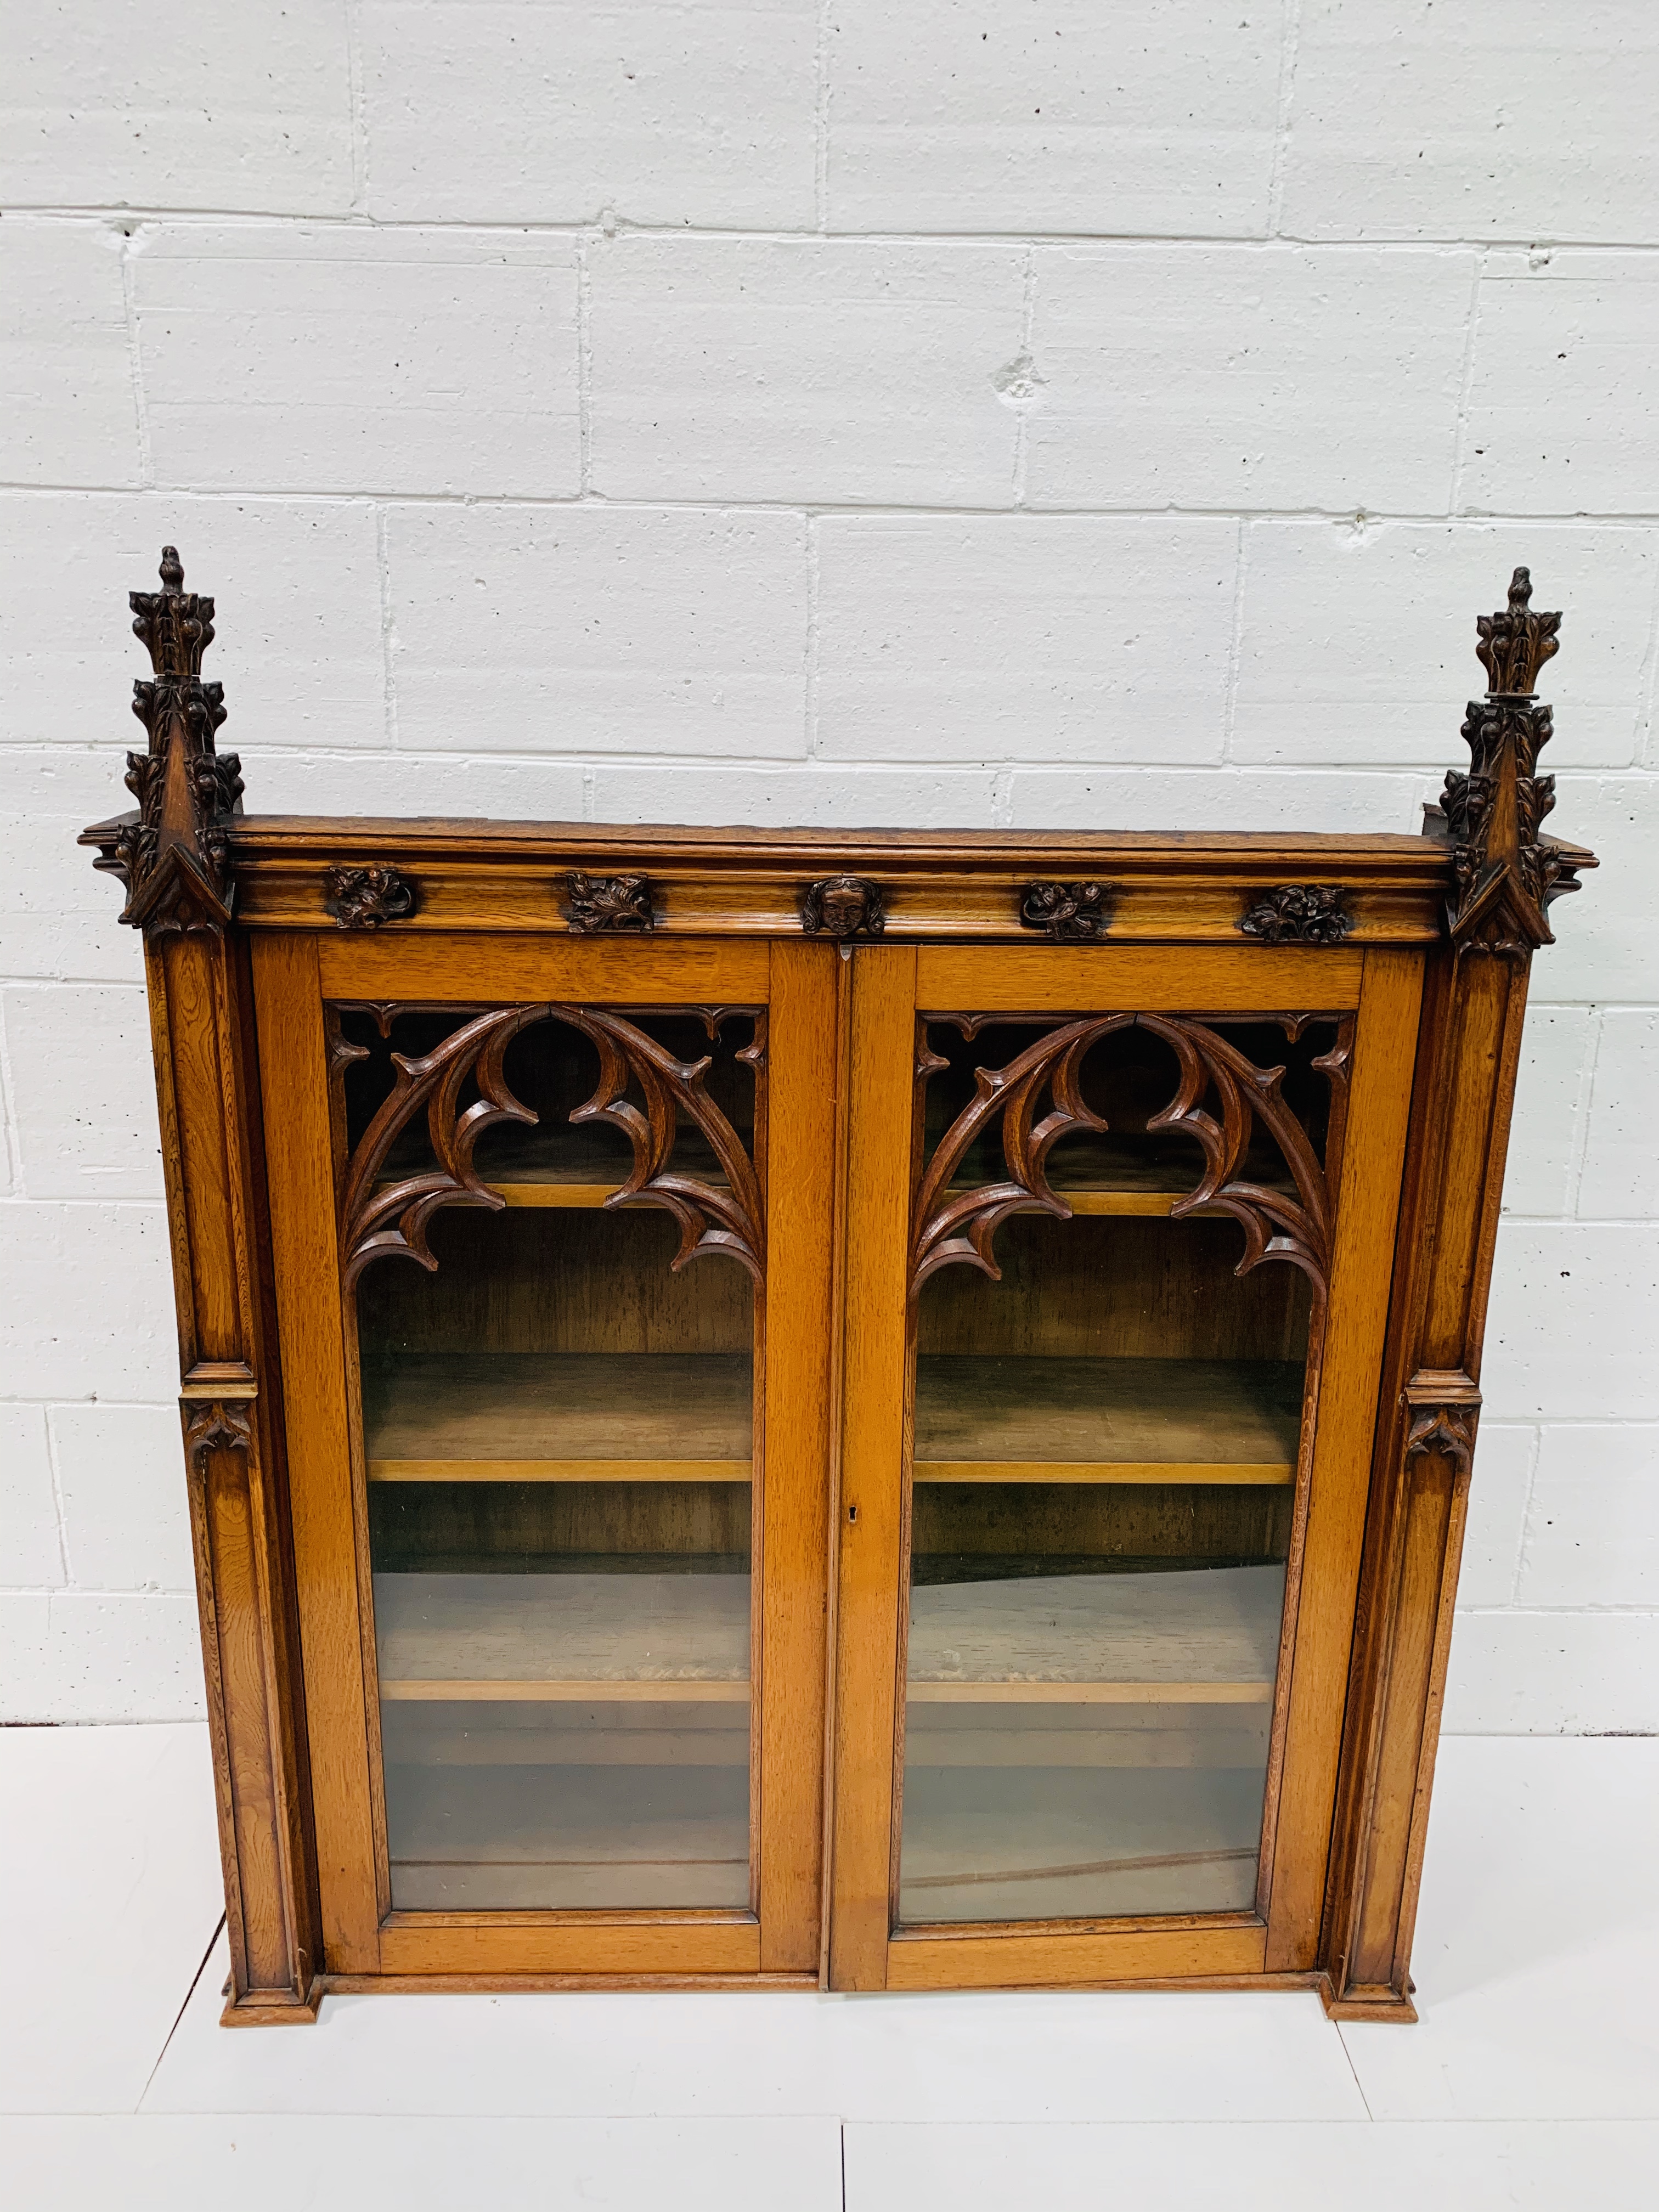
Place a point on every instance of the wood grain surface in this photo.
(1127, 1420)
(571, 1630)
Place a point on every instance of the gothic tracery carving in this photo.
(960, 1226)
(380, 1219)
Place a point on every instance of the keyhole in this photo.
(852, 1512)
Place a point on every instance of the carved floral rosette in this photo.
(1069, 914)
(368, 898)
(609, 906)
(1299, 914)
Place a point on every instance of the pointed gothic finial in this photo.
(173, 854)
(1516, 644)
(1505, 875)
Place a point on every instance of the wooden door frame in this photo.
(892, 984)
(364, 1942)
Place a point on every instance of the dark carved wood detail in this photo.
(960, 1227)
(378, 1223)
(1505, 874)
(1299, 914)
(1448, 1430)
(843, 907)
(218, 1425)
(710, 1219)
(368, 898)
(608, 905)
(172, 854)
(1069, 913)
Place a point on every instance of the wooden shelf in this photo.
(1208, 1636)
(563, 1638)
(509, 1837)
(559, 1417)
(525, 1417)
(1107, 1174)
(1073, 1843)
(1085, 1734)
(554, 1165)
(1033, 1420)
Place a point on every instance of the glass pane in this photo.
(557, 1434)
(1105, 1459)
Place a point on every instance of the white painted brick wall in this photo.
(824, 411)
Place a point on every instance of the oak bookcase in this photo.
(888, 1411)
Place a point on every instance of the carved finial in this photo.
(1515, 644)
(1505, 874)
(173, 854)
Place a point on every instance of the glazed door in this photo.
(1120, 1229)
(551, 1226)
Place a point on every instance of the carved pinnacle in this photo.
(1504, 875)
(173, 854)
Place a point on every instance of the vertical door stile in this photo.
(1373, 1163)
(300, 1156)
(870, 1560)
(800, 1182)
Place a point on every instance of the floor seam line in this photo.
(167, 2045)
(1354, 2070)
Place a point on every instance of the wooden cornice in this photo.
(951, 884)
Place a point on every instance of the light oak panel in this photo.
(1194, 1952)
(465, 969)
(1140, 979)
(582, 1944)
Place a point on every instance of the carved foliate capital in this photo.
(843, 907)
(173, 856)
(1515, 643)
(1299, 914)
(1446, 1431)
(1505, 874)
(603, 906)
(219, 1425)
(368, 898)
(1070, 914)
